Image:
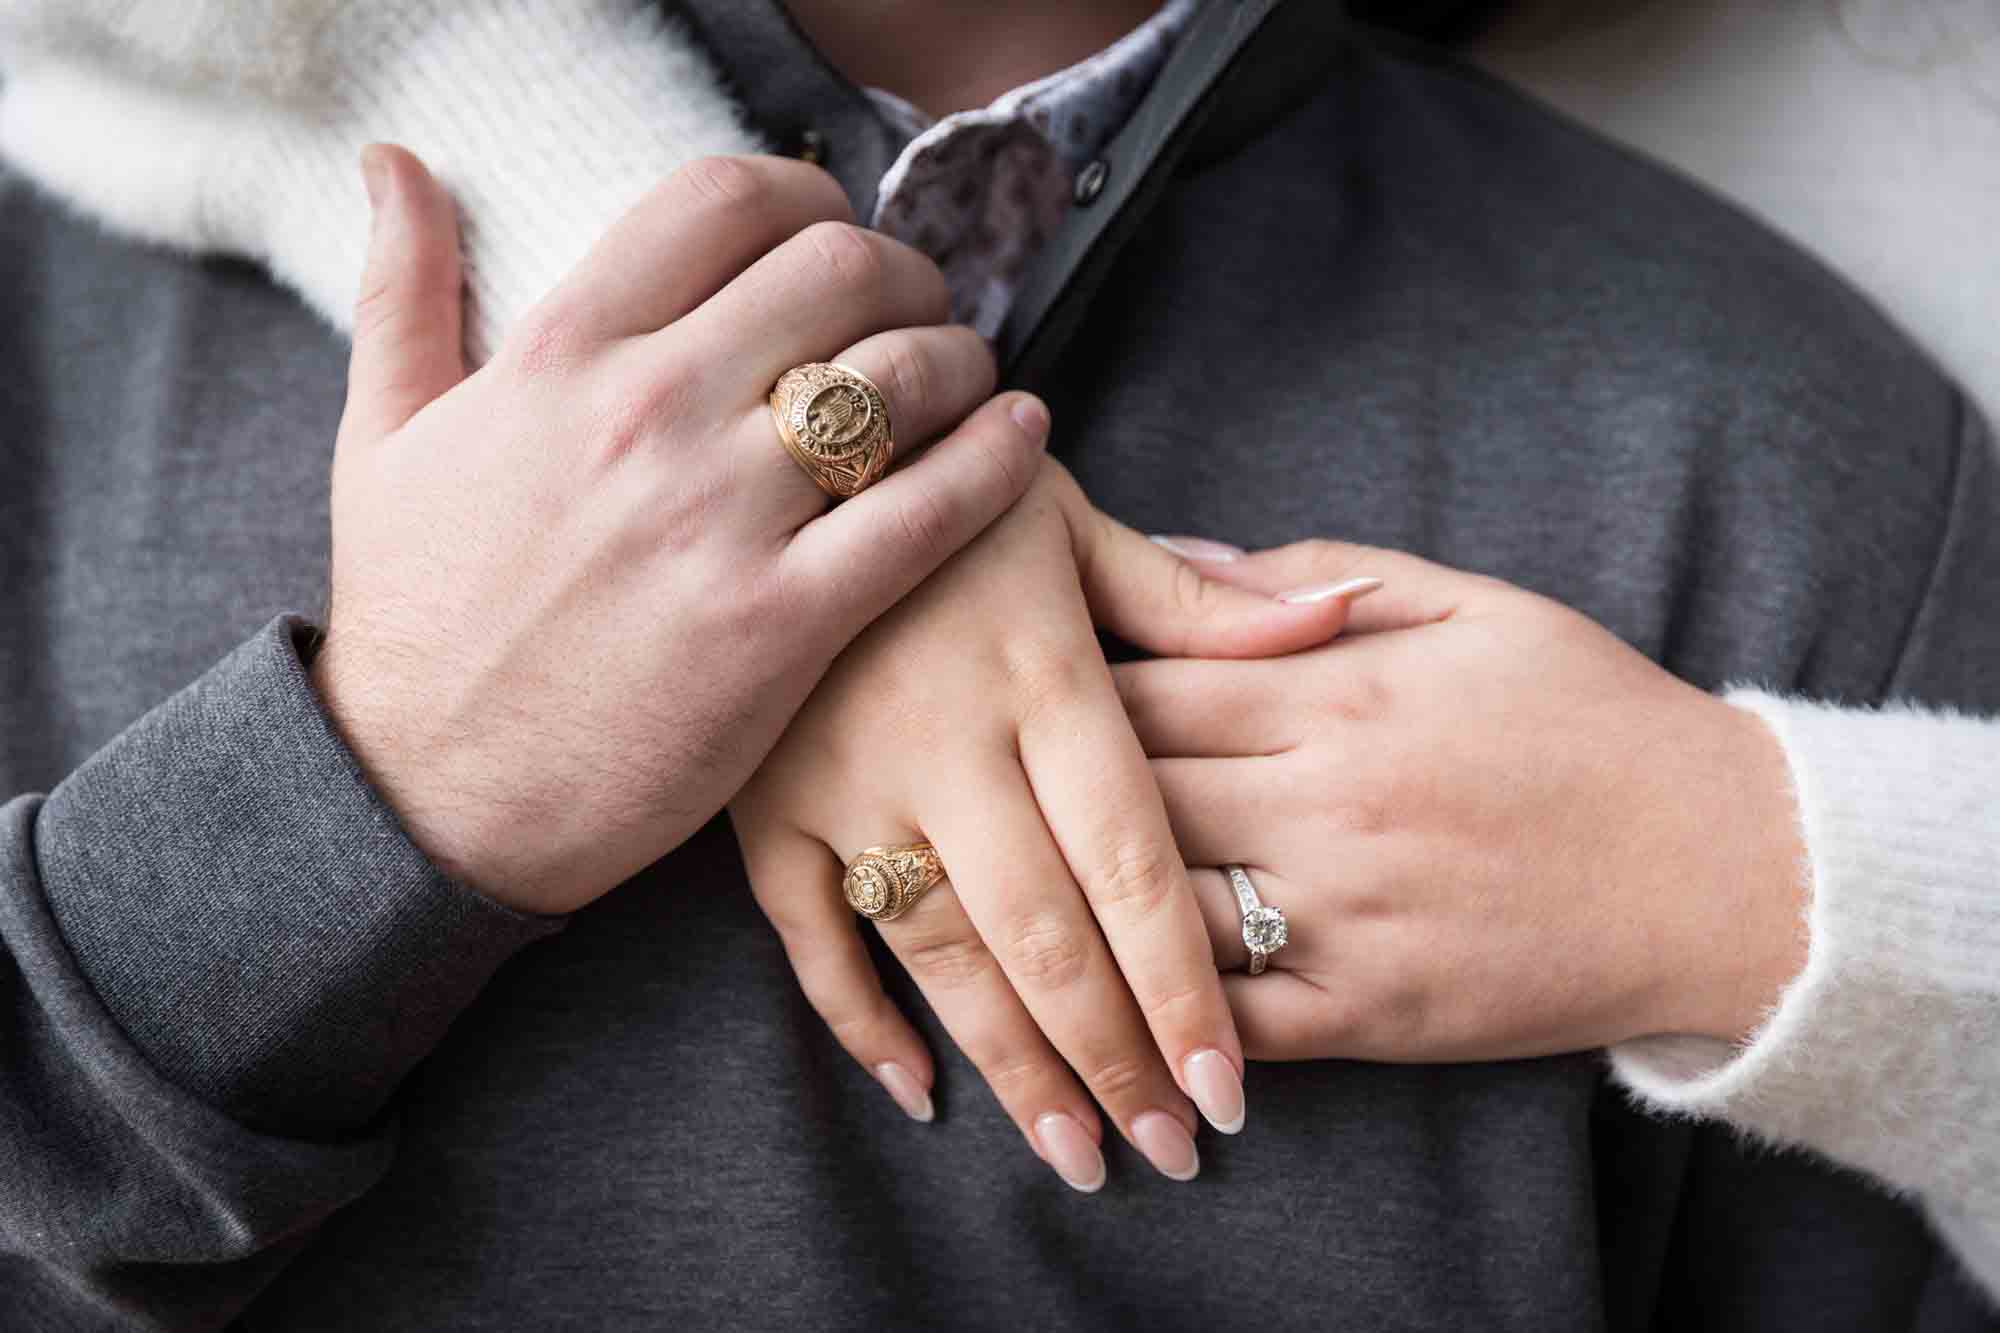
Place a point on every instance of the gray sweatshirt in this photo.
(260, 1061)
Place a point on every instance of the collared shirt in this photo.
(979, 191)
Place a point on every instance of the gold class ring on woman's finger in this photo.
(882, 883)
(1264, 929)
(834, 423)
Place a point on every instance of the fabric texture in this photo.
(636, 1112)
(236, 129)
(1866, 130)
(980, 191)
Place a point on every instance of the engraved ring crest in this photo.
(835, 424)
(882, 883)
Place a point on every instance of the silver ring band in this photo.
(1264, 929)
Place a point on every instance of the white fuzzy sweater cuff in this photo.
(1884, 1053)
(214, 126)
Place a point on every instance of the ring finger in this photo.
(1222, 917)
(931, 379)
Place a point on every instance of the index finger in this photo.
(1102, 806)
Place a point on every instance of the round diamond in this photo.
(1264, 929)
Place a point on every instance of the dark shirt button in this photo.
(1090, 182)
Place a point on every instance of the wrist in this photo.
(1754, 939)
(460, 821)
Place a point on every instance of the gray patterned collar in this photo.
(980, 191)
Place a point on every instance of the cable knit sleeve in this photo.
(1884, 1053)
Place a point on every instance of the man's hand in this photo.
(980, 716)
(578, 594)
(1496, 830)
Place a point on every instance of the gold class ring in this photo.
(882, 883)
(834, 423)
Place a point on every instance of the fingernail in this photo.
(1353, 590)
(1200, 548)
(374, 174)
(909, 1094)
(1217, 1091)
(1167, 1145)
(1071, 1152)
(1031, 416)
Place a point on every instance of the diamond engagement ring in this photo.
(1264, 930)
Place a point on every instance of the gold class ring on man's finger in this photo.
(834, 423)
(882, 883)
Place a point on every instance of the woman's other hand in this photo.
(1065, 954)
(1496, 830)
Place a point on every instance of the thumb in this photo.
(1152, 598)
(409, 315)
(1416, 591)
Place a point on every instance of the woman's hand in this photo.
(1496, 830)
(578, 593)
(980, 715)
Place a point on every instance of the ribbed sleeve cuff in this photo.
(1884, 1053)
(251, 913)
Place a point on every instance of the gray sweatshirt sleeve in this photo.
(219, 954)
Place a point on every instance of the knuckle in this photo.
(1041, 673)
(1399, 1018)
(948, 961)
(1004, 464)
(936, 288)
(1331, 559)
(1012, 1075)
(1113, 1080)
(1359, 697)
(910, 375)
(1358, 809)
(375, 306)
(547, 341)
(1194, 595)
(726, 183)
(924, 523)
(857, 1024)
(845, 254)
(1188, 997)
(1137, 877)
(641, 409)
(1046, 953)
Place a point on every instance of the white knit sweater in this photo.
(233, 126)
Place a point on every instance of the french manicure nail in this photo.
(1217, 1091)
(1071, 1152)
(1031, 416)
(908, 1093)
(1353, 590)
(1200, 548)
(1167, 1145)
